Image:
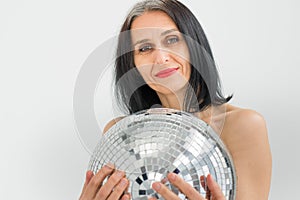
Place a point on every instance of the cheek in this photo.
(135, 60)
(145, 72)
(144, 66)
(188, 71)
(186, 67)
(141, 60)
(183, 57)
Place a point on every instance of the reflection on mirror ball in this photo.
(149, 144)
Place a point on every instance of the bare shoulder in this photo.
(246, 136)
(243, 113)
(244, 120)
(111, 123)
(244, 129)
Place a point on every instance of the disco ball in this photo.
(149, 144)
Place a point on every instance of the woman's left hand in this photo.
(215, 192)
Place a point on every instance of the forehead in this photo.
(151, 24)
(153, 19)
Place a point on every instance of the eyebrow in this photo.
(162, 34)
(168, 31)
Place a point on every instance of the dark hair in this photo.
(204, 79)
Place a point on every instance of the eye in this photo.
(145, 48)
(172, 40)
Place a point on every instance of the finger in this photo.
(164, 191)
(203, 182)
(214, 188)
(111, 183)
(126, 196)
(126, 190)
(88, 175)
(204, 185)
(184, 187)
(97, 180)
(119, 190)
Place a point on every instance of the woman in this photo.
(164, 59)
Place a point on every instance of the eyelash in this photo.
(145, 47)
(172, 38)
(169, 41)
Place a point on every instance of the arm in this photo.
(245, 135)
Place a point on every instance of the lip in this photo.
(166, 72)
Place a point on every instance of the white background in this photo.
(44, 43)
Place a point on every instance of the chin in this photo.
(169, 89)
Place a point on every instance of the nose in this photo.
(161, 56)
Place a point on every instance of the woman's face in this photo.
(160, 52)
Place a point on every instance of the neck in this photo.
(172, 100)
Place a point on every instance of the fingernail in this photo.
(126, 197)
(110, 166)
(156, 186)
(120, 173)
(172, 176)
(89, 174)
(209, 176)
(123, 182)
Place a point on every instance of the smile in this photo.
(166, 72)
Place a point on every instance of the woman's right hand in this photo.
(112, 189)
